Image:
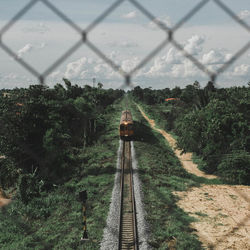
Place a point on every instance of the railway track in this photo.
(128, 238)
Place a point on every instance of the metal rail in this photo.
(128, 236)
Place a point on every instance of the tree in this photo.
(99, 85)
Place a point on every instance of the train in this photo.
(126, 127)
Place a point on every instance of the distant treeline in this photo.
(42, 128)
(213, 123)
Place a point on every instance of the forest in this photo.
(214, 123)
(56, 142)
(42, 130)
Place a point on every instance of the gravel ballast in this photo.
(111, 232)
(143, 229)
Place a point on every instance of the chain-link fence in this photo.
(127, 75)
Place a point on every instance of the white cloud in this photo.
(37, 28)
(27, 48)
(173, 57)
(124, 44)
(185, 70)
(194, 45)
(129, 64)
(244, 14)
(165, 20)
(127, 44)
(130, 15)
(241, 70)
(174, 64)
(215, 57)
(55, 74)
(10, 76)
(42, 46)
(76, 68)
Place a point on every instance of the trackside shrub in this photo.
(235, 167)
(28, 187)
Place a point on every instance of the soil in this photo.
(222, 212)
(185, 158)
(3, 199)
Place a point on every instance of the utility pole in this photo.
(83, 199)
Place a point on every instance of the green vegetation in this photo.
(57, 142)
(212, 123)
(60, 141)
(161, 174)
(201, 214)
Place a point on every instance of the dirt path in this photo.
(3, 200)
(185, 159)
(222, 213)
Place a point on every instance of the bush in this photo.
(28, 187)
(8, 173)
(235, 167)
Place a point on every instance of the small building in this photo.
(6, 94)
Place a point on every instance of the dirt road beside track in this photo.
(185, 159)
(3, 199)
(222, 211)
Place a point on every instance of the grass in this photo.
(154, 112)
(54, 220)
(161, 174)
(201, 214)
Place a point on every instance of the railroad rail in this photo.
(128, 236)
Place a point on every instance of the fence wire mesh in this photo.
(127, 75)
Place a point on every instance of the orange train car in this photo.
(126, 126)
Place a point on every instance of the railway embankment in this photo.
(185, 158)
(221, 212)
(55, 219)
(3, 199)
(161, 174)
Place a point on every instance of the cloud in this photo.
(37, 28)
(158, 68)
(174, 64)
(55, 74)
(215, 57)
(194, 45)
(10, 76)
(130, 15)
(42, 46)
(173, 57)
(242, 70)
(124, 44)
(244, 14)
(165, 20)
(129, 64)
(76, 69)
(26, 49)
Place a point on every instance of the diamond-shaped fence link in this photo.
(83, 39)
(83, 33)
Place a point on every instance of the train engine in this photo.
(126, 126)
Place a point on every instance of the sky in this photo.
(126, 36)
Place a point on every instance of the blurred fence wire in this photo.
(127, 75)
